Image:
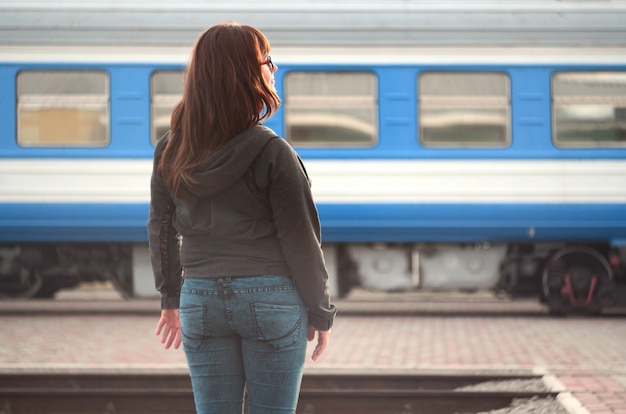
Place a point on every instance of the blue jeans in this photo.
(244, 333)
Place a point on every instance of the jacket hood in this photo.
(229, 163)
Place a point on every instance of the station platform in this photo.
(583, 357)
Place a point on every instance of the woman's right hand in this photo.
(169, 328)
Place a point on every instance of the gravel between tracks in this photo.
(519, 406)
(533, 405)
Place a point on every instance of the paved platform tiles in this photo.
(585, 356)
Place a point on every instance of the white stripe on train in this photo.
(340, 181)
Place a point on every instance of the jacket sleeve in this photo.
(298, 229)
(163, 239)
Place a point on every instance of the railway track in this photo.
(126, 393)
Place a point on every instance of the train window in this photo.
(167, 91)
(464, 109)
(589, 109)
(62, 108)
(336, 109)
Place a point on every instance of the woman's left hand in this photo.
(323, 337)
(169, 328)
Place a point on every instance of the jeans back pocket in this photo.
(278, 325)
(193, 328)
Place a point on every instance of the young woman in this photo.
(231, 210)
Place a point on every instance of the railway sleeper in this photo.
(321, 393)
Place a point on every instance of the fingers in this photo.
(159, 326)
(311, 334)
(179, 340)
(317, 352)
(169, 329)
(169, 337)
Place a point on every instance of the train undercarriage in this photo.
(40, 270)
(567, 278)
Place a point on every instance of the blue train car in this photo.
(450, 146)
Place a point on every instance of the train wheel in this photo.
(574, 279)
(48, 289)
(26, 285)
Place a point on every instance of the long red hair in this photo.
(224, 95)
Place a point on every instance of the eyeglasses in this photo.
(269, 63)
